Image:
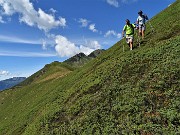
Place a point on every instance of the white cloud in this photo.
(7, 8)
(30, 16)
(92, 44)
(118, 35)
(92, 28)
(26, 54)
(4, 72)
(66, 48)
(85, 50)
(47, 22)
(44, 45)
(84, 22)
(52, 10)
(112, 33)
(44, 42)
(114, 3)
(18, 40)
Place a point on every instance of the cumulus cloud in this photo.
(66, 48)
(29, 16)
(7, 8)
(114, 3)
(112, 33)
(92, 28)
(46, 21)
(4, 73)
(84, 22)
(52, 10)
(93, 44)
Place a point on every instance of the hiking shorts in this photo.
(129, 38)
(142, 27)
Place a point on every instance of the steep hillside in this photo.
(96, 53)
(51, 71)
(8, 83)
(128, 93)
(57, 69)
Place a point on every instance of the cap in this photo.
(140, 12)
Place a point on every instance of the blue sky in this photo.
(34, 33)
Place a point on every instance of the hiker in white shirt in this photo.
(141, 20)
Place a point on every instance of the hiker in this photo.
(129, 29)
(141, 20)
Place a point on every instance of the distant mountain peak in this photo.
(95, 53)
(80, 54)
(80, 58)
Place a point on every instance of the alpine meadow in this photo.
(119, 92)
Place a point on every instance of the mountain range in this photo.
(8, 83)
(120, 92)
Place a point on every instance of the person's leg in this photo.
(131, 42)
(143, 31)
(131, 45)
(127, 40)
(140, 33)
(140, 30)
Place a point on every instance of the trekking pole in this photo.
(152, 28)
(123, 44)
(138, 39)
(137, 36)
(137, 33)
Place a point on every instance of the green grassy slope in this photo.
(131, 92)
(18, 106)
(49, 72)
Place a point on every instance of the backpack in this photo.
(132, 28)
(144, 18)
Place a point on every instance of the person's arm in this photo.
(123, 33)
(134, 26)
(137, 21)
(124, 29)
